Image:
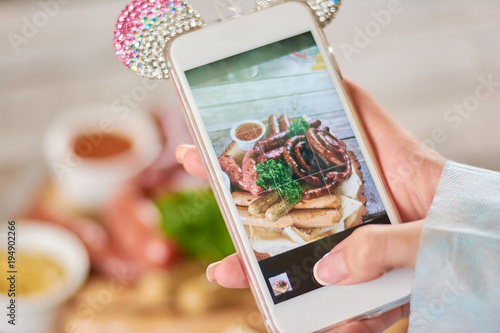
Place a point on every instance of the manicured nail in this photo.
(211, 271)
(331, 269)
(181, 151)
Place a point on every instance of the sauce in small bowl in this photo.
(39, 272)
(109, 145)
(92, 155)
(247, 132)
(51, 265)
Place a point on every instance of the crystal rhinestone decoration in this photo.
(144, 27)
(324, 10)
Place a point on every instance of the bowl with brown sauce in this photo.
(93, 150)
(247, 132)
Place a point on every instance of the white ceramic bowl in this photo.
(36, 313)
(88, 183)
(247, 145)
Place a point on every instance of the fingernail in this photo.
(211, 271)
(181, 151)
(331, 269)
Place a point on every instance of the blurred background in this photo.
(433, 64)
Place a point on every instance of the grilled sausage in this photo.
(284, 122)
(249, 170)
(319, 147)
(233, 170)
(278, 140)
(243, 198)
(278, 210)
(290, 159)
(320, 191)
(274, 125)
(263, 203)
(275, 154)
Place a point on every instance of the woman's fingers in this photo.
(369, 252)
(365, 255)
(380, 323)
(228, 272)
(188, 156)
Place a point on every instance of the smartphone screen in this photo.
(294, 167)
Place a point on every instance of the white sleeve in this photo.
(457, 280)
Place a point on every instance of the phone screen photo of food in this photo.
(293, 165)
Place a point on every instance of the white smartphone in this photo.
(287, 161)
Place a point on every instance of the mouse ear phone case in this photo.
(144, 28)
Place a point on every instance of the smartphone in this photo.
(287, 161)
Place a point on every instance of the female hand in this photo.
(411, 171)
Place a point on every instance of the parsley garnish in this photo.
(298, 127)
(278, 176)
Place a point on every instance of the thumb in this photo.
(369, 252)
(188, 156)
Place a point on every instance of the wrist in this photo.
(426, 179)
(430, 178)
(413, 178)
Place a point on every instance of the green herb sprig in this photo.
(276, 175)
(299, 126)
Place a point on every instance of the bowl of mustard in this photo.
(43, 265)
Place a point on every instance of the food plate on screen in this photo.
(280, 284)
(296, 184)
